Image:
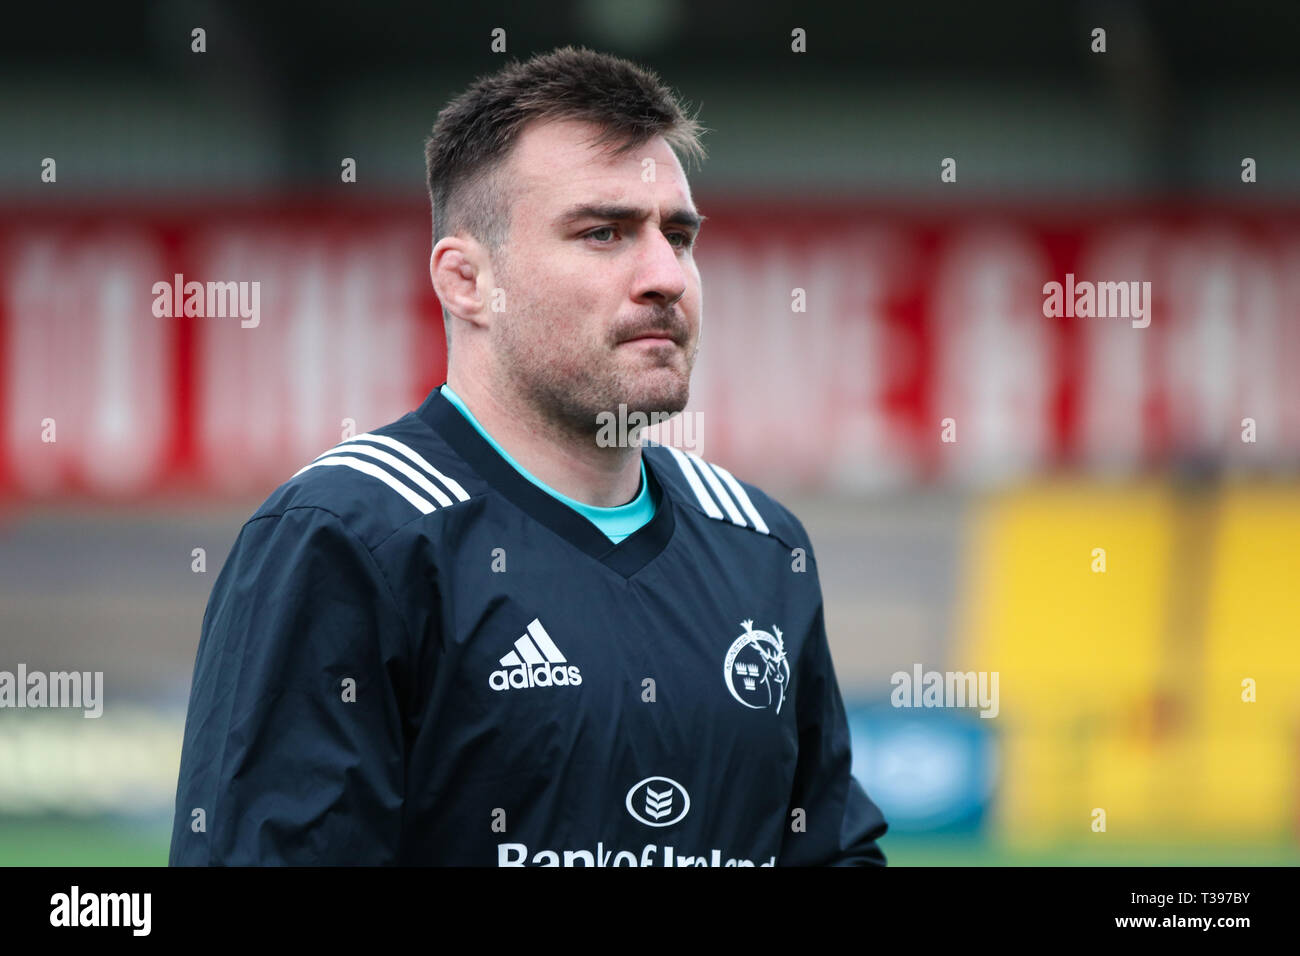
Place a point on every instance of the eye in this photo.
(592, 234)
(687, 240)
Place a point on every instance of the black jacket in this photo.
(413, 655)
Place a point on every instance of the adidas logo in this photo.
(535, 662)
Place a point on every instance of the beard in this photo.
(570, 387)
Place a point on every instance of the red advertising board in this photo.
(843, 347)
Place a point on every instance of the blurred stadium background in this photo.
(1123, 689)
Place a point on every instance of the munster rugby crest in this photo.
(756, 669)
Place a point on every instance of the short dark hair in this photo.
(476, 131)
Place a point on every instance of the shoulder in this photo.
(711, 490)
(377, 482)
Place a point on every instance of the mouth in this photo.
(652, 338)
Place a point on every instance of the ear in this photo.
(462, 277)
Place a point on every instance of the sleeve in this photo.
(841, 823)
(293, 751)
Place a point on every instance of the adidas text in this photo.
(540, 675)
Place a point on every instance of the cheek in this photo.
(696, 295)
(559, 316)
(567, 302)
(582, 300)
(564, 282)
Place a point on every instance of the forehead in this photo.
(555, 162)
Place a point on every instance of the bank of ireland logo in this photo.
(658, 801)
(755, 668)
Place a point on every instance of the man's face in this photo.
(602, 293)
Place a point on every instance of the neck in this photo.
(573, 464)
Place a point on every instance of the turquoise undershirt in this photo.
(617, 523)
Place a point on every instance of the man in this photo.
(482, 635)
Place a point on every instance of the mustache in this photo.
(668, 321)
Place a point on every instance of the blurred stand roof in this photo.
(884, 92)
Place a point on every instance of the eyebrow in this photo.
(678, 217)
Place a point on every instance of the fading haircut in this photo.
(476, 131)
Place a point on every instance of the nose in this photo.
(660, 278)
